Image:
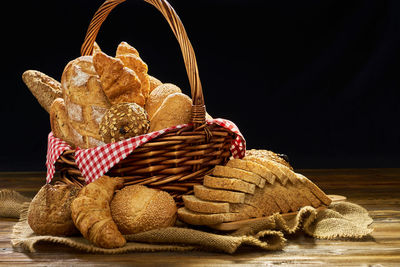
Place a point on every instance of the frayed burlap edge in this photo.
(340, 220)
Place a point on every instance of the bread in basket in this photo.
(173, 159)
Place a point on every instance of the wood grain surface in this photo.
(378, 190)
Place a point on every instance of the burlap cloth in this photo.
(339, 220)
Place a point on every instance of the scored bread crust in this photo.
(85, 101)
(49, 212)
(59, 121)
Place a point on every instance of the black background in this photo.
(317, 80)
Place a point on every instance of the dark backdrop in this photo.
(317, 80)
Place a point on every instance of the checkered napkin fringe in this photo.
(95, 162)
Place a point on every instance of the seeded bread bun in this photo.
(123, 121)
(138, 208)
(50, 210)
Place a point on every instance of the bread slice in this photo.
(197, 218)
(263, 200)
(283, 198)
(297, 196)
(315, 190)
(270, 155)
(270, 165)
(194, 203)
(252, 167)
(248, 210)
(250, 177)
(314, 201)
(210, 194)
(228, 184)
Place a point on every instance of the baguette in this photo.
(43, 87)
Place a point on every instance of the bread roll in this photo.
(43, 87)
(138, 208)
(50, 210)
(123, 121)
(175, 110)
(154, 83)
(157, 97)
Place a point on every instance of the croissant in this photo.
(91, 213)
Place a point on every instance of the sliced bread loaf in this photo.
(254, 167)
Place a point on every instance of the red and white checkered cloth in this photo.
(95, 162)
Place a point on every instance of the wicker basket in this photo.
(174, 161)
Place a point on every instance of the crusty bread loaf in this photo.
(157, 97)
(138, 208)
(85, 101)
(228, 184)
(174, 110)
(250, 177)
(50, 210)
(59, 121)
(252, 167)
(43, 87)
(206, 193)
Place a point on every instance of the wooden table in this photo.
(378, 190)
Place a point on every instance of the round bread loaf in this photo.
(154, 83)
(123, 121)
(157, 97)
(50, 210)
(138, 208)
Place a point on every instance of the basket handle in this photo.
(198, 107)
